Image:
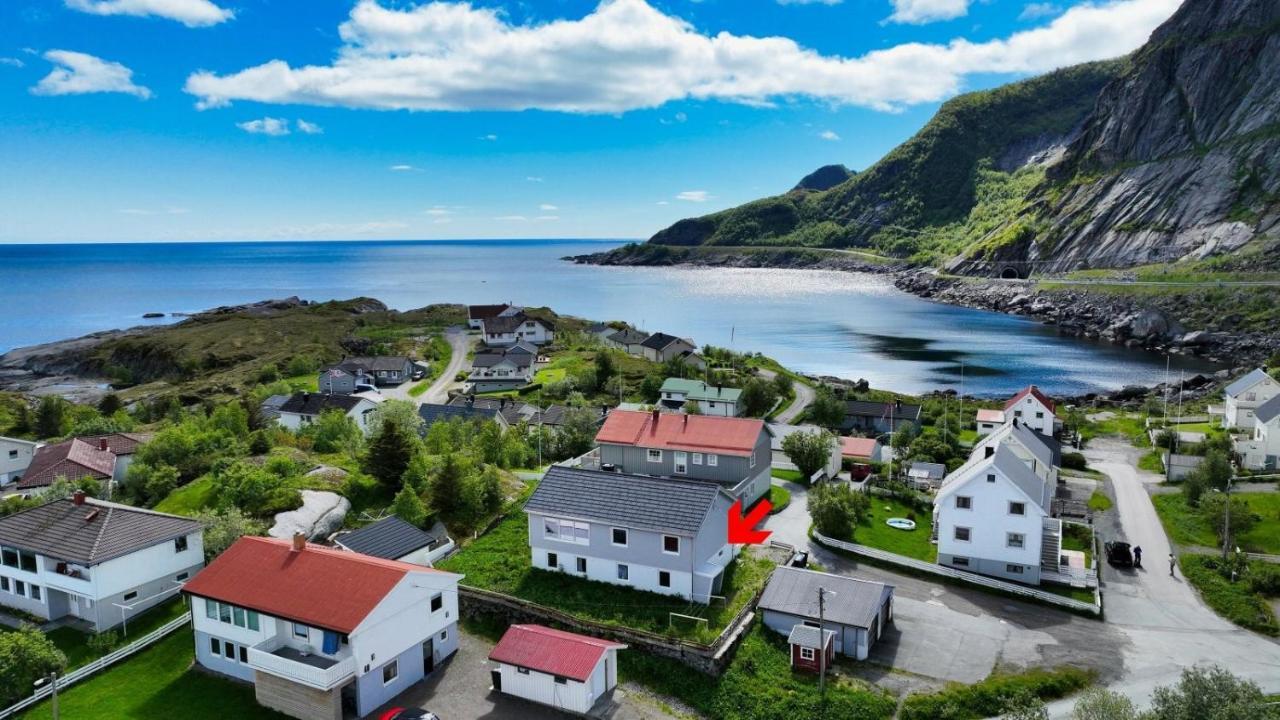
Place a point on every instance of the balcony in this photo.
(68, 576)
(313, 670)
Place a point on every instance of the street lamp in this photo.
(52, 679)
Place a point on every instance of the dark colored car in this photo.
(801, 560)
(1119, 554)
(408, 714)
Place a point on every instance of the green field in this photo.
(1234, 601)
(74, 644)
(1186, 526)
(873, 531)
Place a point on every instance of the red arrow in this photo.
(742, 530)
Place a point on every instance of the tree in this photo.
(150, 483)
(231, 419)
(408, 507)
(577, 432)
(809, 451)
(836, 509)
(758, 397)
(223, 527)
(783, 384)
(333, 431)
(1213, 508)
(446, 487)
(248, 487)
(51, 417)
(110, 404)
(605, 368)
(26, 655)
(826, 410)
(1210, 694)
(1025, 706)
(388, 454)
(401, 412)
(1213, 472)
(1102, 704)
(491, 489)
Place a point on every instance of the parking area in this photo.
(459, 690)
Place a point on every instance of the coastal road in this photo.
(804, 398)
(459, 344)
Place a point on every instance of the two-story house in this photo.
(303, 408)
(988, 421)
(1261, 450)
(664, 535)
(376, 370)
(73, 459)
(629, 340)
(1035, 410)
(505, 330)
(677, 393)
(15, 458)
(95, 561)
(1040, 453)
(734, 452)
(477, 314)
(312, 627)
(661, 347)
(501, 368)
(879, 417)
(1245, 395)
(992, 516)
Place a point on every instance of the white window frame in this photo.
(653, 455)
(566, 531)
(1015, 540)
(753, 459)
(713, 459)
(394, 667)
(968, 502)
(668, 574)
(1013, 569)
(665, 551)
(626, 537)
(306, 631)
(1021, 505)
(961, 561)
(680, 462)
(580, 565)
(807, 653)
(697, 458)
(955, 534)
(624, 572)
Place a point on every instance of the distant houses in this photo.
(987, 421)
(304, 408)
(1260, 450)
(432, 413)
(394, 539)
(628, 340)
(679, 393)
(15, 457)
(1035, 410)
(98, 457)
(778, 432)
(354, 374)
(513, 411)
(879, 417)
(656, 347)
(661, 347)
(502, 368)
(862, 450)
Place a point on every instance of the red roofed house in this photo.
(988, 421)
(101, 457)
(734, 452)
(315, 628)
(1035, 409)
(861, 449)
(564, 670)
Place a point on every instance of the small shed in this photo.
(1180, 466)
(565, 670)
(394, 539)
(926, 475)
(857, 611)
(805, 641)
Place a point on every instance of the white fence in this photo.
(962, 576)
(101, 663)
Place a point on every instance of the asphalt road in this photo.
(804, 398)
(460, 343)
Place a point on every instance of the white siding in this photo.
(572, 695)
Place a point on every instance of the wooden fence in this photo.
(101, 663)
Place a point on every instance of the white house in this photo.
(15, 458)
(502, 368)
(1035, 409)
(1245, 395)
(567, 671)
(477, 314)
(95, 561)
(394, 539)
(311, 626)
(992, 516)
(661, 347)
(1261, 451)
(505, 330)
(710, 399)
(856, 611)
(304, 408)
(1039, 452)
(779, 432)
(988, 420)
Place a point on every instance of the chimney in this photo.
(686, 420)
(102, 444)
(299, 542)
(78, 497)
(1015, 421)
(654, 427)
(93, 514)
(306, 396)
(990, 451)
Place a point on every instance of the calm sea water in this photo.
(848, 325)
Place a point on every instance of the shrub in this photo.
(994, 696)
(1074, 461)
(26, 655)
(836, 509)
(103, 642)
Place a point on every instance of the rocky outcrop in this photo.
(322, 514)
(641, 255)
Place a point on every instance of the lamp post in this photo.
(52, 679)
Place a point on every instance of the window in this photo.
(712, 459)
(224, 612)
(1014, 540)
(964, 502)
(180, 544)
(215, 646)
(1014, 569)
(27, 560)
(654, 456)
(681, 462)
(562, 680)
(4, 584)
(620, 536)
(991, 477)
(810, 623)
(229, 650)
(1017, 413)
(959, 561)
(244, 654)
(437, 602)
(624, 572)
(444, 635)
(671, 544)
(806, 653)
(1039, 416)
(19, 587)
(210, 609)
(582, 565)
(390, 671)
(180, 577)
(753, 459)
(962, 534)
(35, 592)
(9, 557)
(552, 561)
(664, 578)
(13, 454)
(697, 458)
(300, 630)
(567, 531)
(1017, 508)
(253, 620)
(522, 670)
(131, 595)
(237, 616)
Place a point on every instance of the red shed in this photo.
(805, 641)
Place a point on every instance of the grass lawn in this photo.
(158, 682)
(789, 475)
(1078, 537)
(1099, 501)
(499, 561)
(873, 531)
(1234, 601)
(74, 644)
(968, 437)
(1084, 595)
(420, 387)
(190, 498)
(1126, 425)
(779, 498)
(1151, 462)
(1201, 427)
(758, 683)
(1186, 526)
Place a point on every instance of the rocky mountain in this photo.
(1172, 152)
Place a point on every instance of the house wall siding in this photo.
(989, 523)
(220, 663)
(297, 700)
(573, 695)
(1240, 409)
(11, 468)
(729, 470)
(372, 692)
(851, 641)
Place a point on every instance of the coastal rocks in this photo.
(322, 513)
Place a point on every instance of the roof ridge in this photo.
(102, 531)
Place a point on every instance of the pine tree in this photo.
(446, 487)
(408, 507)
(389, 454)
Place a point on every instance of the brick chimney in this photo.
(299, 542)
(653, 428)
(78, 497)
(102, 444)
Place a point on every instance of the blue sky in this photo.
(151, 120)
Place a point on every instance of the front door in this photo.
(428, 656)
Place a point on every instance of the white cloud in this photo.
(918, 12)
(663, 202)
(490, 137)
(404, 168)
(829, 135)
(152, 211)
(512, 218)
(1037, 10)
(308, 128)
(192, 13)
(12, 62)
(81, 73)
(265, 126)
(694, 196)
(627, 55)
(533, 178)
(438, 211)
(547, 207)
(547, 218)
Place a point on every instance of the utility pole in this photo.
(822, 648)
(1226, 520)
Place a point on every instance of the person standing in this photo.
(1172, 562)
(1137, 556)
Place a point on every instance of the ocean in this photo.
(848, 325)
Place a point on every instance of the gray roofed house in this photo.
(271, 406)
(489, 359)
(432, 413)
(394, 539)
(856, 610)
(879, 416)
(661, 347)
(636, 501)
(381, 369)
(1253, 377)
(628, 340)
(926, 474)
(1244, 396)
(309, 403)
(1268, 410)
(79, 552)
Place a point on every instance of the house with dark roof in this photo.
(501, 368)
(16, 455)
(879, 417)
(304, 408)
(506, 330)
(477, 314)
(313, 627)
(394, 539)
(377, 370)
(473, 411)
(629, 340)
(925, 475)
(734, 452)
(661, 347)
(856, 611)
(1243, 397)
(564, 670)
(96, 562)
(1035, 409)
(73, 459)
(664, 535)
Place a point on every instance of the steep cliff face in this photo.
(1180, 157)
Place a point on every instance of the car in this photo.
(419, 374)
(1119, 554)
(408, 714)
(365, 387)
(801, 560)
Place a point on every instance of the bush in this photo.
(1074, 461)
(103, 642)
(837, 509)
(995, 695)
(25, 656)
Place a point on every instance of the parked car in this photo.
(860, 472)
(419, 374)
(1119, 554)
(801, 560)
(408, 714)
(362, 387)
